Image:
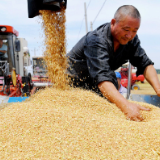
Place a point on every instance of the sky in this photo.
(15, 13)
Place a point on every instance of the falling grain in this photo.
(55, 42)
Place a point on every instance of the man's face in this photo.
(124, 30)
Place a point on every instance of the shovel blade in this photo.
(151, 99)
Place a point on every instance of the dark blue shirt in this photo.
(93, 56)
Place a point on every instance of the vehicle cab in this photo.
(15, 50)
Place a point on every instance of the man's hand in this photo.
(158, 92)
(3, 51)
(132, 112)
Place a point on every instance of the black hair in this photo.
(126, 10)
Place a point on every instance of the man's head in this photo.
(118, 75)
(125, 24)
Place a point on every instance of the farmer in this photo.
(94, 58)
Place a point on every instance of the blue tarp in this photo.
(16, 99)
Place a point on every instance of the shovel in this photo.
(151, 99)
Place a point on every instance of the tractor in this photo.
(124, 74)
(14, 55)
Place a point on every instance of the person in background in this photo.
(3, 51)
(122, 90)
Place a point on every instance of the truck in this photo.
(13, 82)
(38, 73)
(37, 68)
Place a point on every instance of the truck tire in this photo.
(135, 87)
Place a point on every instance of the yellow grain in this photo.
(76, 124)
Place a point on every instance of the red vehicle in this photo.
(13, 83)
(134, 79)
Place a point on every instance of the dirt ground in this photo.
(145, 88)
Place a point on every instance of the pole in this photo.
(129, 80)
(91, 26)
(34, 52)
(85, 15)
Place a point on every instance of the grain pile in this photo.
(76, 124)
(53, 24)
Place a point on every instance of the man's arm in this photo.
(151, 76)
(97, 57)
(3, 51)
(131, 110)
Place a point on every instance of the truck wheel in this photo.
(142, 81)
(135, 87)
